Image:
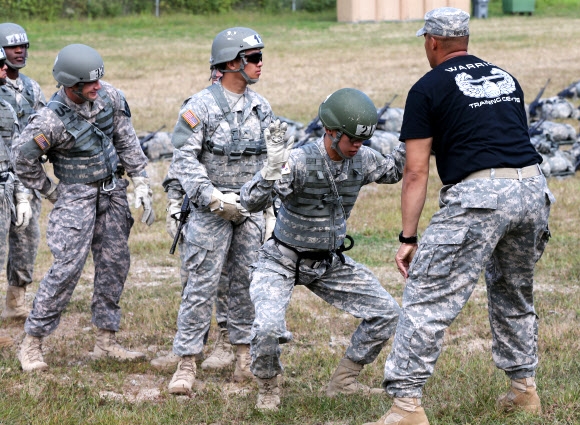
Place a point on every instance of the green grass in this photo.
(160, 62)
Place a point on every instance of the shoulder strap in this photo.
(218, 95)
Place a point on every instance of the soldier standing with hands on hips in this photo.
(86, 132)
(494, 216)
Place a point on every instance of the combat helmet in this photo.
(13, 35)
(77, 63)
(2, 54)
(230, 44)
(350, 112)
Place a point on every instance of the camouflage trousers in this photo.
(501, 224)
(6, 206)
(23, 247)
(85, 218)
(210, 245)
(350, 287)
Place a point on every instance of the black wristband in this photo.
(409, 240)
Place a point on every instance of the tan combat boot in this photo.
(171, 360)
(222, 355)
(243, 361)
(15, 305)
(166, 362)
(107, 346)
(6, 341)
(404, 411)
(184, 376)
(521, 396)
(30, 355)
(344, 381)
(268, 394)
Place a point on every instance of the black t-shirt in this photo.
(475, 113)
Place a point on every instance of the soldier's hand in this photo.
(173, 207)
(278, 150)
(404, 257)
(228, 206)
(23, 210)
(144, 197)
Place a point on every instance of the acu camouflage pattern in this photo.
(499, 224)
(25, 96)
(212, 247)
(194, 166)
(211, 250)
(46, 122)
(85, 217)
(8, 127)
(257, 195)
(350, 287)
(446, 22)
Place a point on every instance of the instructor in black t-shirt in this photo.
(494, 213)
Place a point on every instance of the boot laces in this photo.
(34, 351)
(185, 370)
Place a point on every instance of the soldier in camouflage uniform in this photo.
(218, 147)
(25, 96)
(317, 189)
(494, 215)
(14, 197)
(86, 132)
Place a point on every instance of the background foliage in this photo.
(55, 9)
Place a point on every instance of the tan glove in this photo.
(144, 196)
(23, 210)
(228, 206)
(52, 193)
(173, 207)
(278, 150)
(270, 219)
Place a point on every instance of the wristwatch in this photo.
(409, 240)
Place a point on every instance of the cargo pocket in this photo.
(438, 249)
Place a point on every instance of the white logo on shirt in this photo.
(486, 87)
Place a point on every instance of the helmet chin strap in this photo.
(241, 70)
(334, 144)
(79, 92)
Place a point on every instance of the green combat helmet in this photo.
(78, 64)
(230, 44)
(13, 35)
(351, 112)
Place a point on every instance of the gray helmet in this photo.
(13, 35)
(2, 54)
(77, 63)
(229, 43)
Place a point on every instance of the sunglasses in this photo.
(254, 58)
(2, 63)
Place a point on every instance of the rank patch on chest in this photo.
(190, 117)
(42, 141)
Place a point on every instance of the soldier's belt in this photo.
(319, 255)
(506, 173)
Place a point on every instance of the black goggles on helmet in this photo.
(254, 58)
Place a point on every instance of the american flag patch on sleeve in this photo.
(42, 141)
(190, 117)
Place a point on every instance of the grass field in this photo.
(160, 62)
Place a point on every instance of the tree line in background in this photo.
(57, 9)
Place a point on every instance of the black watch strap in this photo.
(409, 240)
